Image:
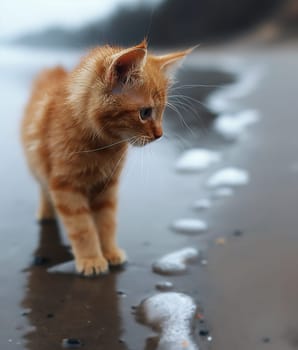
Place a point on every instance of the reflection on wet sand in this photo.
(67, 306)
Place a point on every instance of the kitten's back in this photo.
(45, 85)
(48, 78)
(46, 89)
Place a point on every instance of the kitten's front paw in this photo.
(92, 266)
(115, 257)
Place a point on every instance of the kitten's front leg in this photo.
(73, 208)
(104, 207)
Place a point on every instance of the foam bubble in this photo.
(190, 226)
(229, 177)
(197, 159)
(172, 313)
(175, 263)
(231, 126)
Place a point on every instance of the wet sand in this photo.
(247, 291)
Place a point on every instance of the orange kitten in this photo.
(76, 131)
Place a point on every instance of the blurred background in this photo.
(83, 23)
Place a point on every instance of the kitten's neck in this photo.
(95, 143)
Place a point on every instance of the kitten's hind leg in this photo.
(104, 207)
(46, 210)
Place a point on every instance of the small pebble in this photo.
(200, 316)
(71, 343)
(50, 315)
(238, 233)
(120, 292)
(220, 241)
(164, 285)
(209, 338)
(26, 312)
(204, 333)
(204, 262)
(266, 340)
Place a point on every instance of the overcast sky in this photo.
(23, 16)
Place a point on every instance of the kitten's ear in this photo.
(125, 62)
(171, 62)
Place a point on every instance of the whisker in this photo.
(186, 102)
(107, 146)
(175, 109)
(185, 97)
(142, 157)
(114, 170)
(187, 107)
(192, 86)
(183, 142)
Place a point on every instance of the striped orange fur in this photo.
(76, 131)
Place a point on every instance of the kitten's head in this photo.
(122, 93)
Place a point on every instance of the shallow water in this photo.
(246, 292)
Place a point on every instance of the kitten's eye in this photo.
(146, 113)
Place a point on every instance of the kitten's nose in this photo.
(158, 133)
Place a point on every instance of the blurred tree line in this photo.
(170, 23)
